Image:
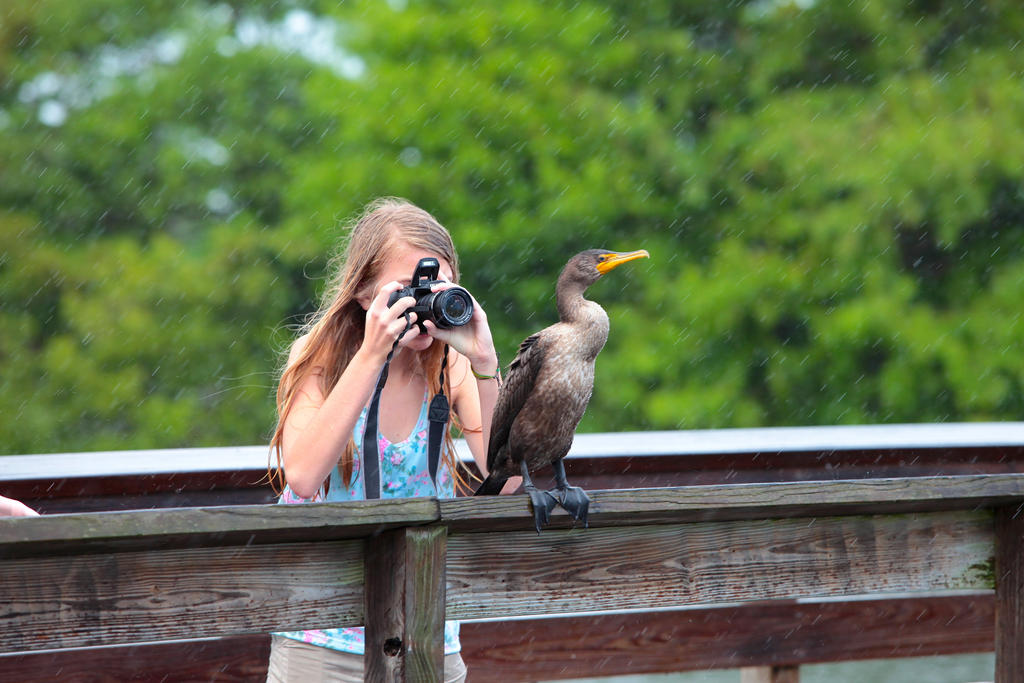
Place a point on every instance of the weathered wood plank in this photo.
(559, 571)
(238, 659)
(1009, 576)
(426, 550)
(193, 527)
(51, 597)
(517, 650)
(745, 501)
(404, 605)
(277, 523)
(103, 599)
(384, 606)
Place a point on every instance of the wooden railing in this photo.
(785, 632)
(184, 477)
(402, 566)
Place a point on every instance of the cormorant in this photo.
(548, 386)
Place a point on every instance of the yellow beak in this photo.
(614, 260)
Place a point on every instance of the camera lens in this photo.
(451, 307)
(454, 307)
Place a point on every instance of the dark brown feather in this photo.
(516, 388)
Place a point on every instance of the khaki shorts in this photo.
(292, 661)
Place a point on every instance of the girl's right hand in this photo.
(384, 324)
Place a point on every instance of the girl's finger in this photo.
(399, 307)
(380, 301)
(396, 327)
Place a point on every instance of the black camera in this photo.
(452, 307)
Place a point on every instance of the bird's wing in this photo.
(517, 387)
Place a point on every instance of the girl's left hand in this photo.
(15, 508)
(473, 340)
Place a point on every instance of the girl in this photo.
(329, 379)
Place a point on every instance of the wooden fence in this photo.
(740, 575)
(401, 566)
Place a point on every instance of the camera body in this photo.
(451, 307)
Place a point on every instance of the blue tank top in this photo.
(404, 473)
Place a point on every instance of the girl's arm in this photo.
(473, 402)
(319, 427)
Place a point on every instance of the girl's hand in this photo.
(15, 508)
(384, 324)
(473, 340)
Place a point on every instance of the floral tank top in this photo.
(404, 473)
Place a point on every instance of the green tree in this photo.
(831, 194)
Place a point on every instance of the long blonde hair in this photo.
(335, 331)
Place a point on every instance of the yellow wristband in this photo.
(479, 376)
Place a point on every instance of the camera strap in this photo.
(437, 414)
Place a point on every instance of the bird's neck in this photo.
(587, 317)
(589, 331)
(571, 304)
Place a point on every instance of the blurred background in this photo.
(831, 193)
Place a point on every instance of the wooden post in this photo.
(404, 603)
(1009, 572)
(770, 674)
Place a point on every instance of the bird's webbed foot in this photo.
(542, 501)
(575, 501)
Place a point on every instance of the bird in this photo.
(547, 388)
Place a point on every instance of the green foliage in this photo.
(831, 194)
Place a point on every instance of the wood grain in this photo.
(745, 501)
(519, 650)
(1009, 576)
(80, 580)
(404, 605)
(237, 659)
(760, 634)
(253, 524)
(426, 548)
(194, 527)
(559, 571)
(104, 599)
